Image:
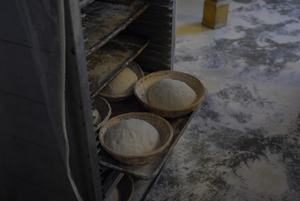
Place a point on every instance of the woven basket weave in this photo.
(119, 97)
(141, 92)
(163, 127)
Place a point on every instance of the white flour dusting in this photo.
(168, 93)
(132, 137)
(264, 176)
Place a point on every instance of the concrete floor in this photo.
(244, 142)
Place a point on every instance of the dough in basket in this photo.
(132, 137)
(169, 93)
(122, 84)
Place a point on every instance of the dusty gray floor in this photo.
(243, 143)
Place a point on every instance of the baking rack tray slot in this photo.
(103, 21)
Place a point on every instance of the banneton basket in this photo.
(123, 191)
(119, 97)
(125, 188)
(102, 110)
(163, 127)
(143, 85)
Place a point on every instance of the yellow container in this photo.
(215, 13)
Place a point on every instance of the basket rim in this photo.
(124, 95)
(156, 151)
(195, 104)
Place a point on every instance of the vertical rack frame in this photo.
(79, 108)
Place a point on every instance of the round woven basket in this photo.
(163, 127)
(123, 191)
(118, 97)
(125, 188)
(141, 92)
(102, 112)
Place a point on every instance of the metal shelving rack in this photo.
(152, 22)
(145, 30)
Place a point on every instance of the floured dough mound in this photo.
(113, 196)
(97, 117)
(168, 93)
(132, 137)
(122, 84)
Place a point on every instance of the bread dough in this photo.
(97, 117)
(132, 137)
(122, 83)
(113, 196)
(169, 93)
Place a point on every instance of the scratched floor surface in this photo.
(244, 142)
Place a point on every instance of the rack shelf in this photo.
(150, 170)
(107, 62)
(103, 20)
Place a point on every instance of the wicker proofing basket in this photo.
(103, 109)
(141, 92)
(123, 191)
(116, 98)
(125, 188)
(163, 127)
